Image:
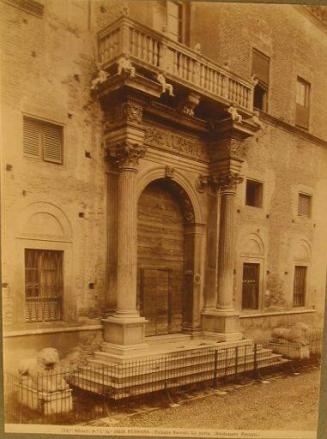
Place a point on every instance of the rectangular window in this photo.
(300, 275)
(302, 103)
(253, 193)
(43, 285)
(260, 70)
(43, 140)
(250, 286)
(175, 20)
(304, 205)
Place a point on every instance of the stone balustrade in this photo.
(155, 52)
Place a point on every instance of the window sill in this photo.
(61, 327)
(298, 310)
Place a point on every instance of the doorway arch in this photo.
(164, 215)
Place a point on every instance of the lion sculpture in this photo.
(43, 372)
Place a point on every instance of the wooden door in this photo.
(160, 259)
(250, 286)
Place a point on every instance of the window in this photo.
(175, 20)
(253, 193)
(304, 205)
(302, 103)
(260, 69)
(250, 286)
(300, 275)
(43, 140)
(43, 285)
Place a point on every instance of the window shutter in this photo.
(32, 137)
(52, 143)
(260, 66)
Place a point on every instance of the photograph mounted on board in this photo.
(163, 217)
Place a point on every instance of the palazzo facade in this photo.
(164, 171)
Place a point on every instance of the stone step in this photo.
(151, 383)
(197, 356)
(115, 374)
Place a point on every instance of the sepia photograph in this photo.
(163, 218)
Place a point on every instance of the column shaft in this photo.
(226, 252)
(126, 243)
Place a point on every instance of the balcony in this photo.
(151, 52)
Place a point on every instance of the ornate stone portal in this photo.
(128, 134)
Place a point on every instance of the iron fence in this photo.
(80, 395)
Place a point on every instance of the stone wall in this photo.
(48, 62)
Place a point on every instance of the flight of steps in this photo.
(171, 369)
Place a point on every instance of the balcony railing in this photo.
(154, 51)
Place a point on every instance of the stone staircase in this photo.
(171, 366)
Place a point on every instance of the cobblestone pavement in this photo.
(288, 402)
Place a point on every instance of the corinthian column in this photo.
(124, 330)
(226, 252)
(127, 156)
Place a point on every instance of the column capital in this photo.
(223, 183)
(126, 155)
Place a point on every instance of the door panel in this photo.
(160, 259)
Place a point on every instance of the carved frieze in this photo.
(229, 148)
(176, 143)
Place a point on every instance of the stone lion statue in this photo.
(297, 333)
(43, 372)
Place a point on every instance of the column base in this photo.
(124, 332)
(223, 325)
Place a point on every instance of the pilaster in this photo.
(124, 331)
(228, 151)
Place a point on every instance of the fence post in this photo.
(214, 383)
(255, 361)
(236, 361)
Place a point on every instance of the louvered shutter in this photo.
(52, 143)
(260, 67)
(32, 137)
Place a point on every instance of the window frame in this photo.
(40, 298)
(305, 292)
(258, 264)
(183, 18)
(309, 197)
(304, 109)
(261, 186)
(42, 122)
(265, 86)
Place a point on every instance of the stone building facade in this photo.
(164, 171)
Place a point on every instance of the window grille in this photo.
(43, 140)
(300, 275)
(304, 205)
(250, 286)
(43, 285)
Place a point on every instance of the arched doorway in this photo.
(163, 211)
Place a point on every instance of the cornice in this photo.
(274, 121)
(29, 6)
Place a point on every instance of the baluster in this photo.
(149, 48)
(163, 60)
(124, 46)
(201, 75)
